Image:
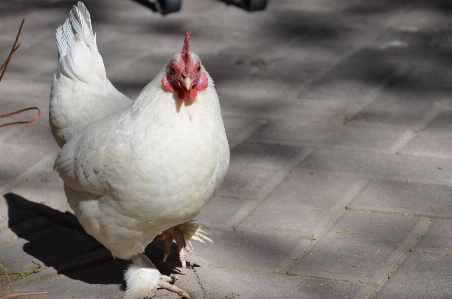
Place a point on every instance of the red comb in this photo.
(186, 49)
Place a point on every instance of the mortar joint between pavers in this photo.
(393, 212)
(247, 208)
(247, 133)
(312, 80)
(431, 252)
(411, 133)
(349, 196)
(378, 89)
(199, 282)
(370, 284)
(28, 173)
(283, 173)
(7, 132)
(419, 230)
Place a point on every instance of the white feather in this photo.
(81, 91)
(142, 278)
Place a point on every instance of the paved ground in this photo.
(339, 118)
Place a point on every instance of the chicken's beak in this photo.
(187, 82)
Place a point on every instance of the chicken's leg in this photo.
(175, 234)
(143, 278)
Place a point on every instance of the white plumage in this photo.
(132, 169)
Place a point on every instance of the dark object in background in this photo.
(162, 6)
(168, 6)
(249, 5)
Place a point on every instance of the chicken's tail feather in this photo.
(79, 57)
(77, 26)
(191, 231)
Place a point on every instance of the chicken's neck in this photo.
(158, 104)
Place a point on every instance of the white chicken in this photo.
(135, 169)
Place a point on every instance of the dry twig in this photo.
(14, 49)
(23, 294)
(2, 72)
(20, 122)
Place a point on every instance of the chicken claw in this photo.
(166, 283)
(175, 234)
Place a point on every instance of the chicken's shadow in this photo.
(58, 240)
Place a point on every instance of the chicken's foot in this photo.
(175, 234)
(166, 283)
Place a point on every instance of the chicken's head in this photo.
(185, 74)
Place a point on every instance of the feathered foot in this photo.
(143, 278)
(166, 283)
(180, 234)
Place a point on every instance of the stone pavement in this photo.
(339, 119)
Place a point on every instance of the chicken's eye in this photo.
(171, 68)
(199, 68)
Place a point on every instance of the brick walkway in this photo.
(339, 118)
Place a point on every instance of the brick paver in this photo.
(338, 118)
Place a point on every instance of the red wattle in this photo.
(181, 94)
(193, 93)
